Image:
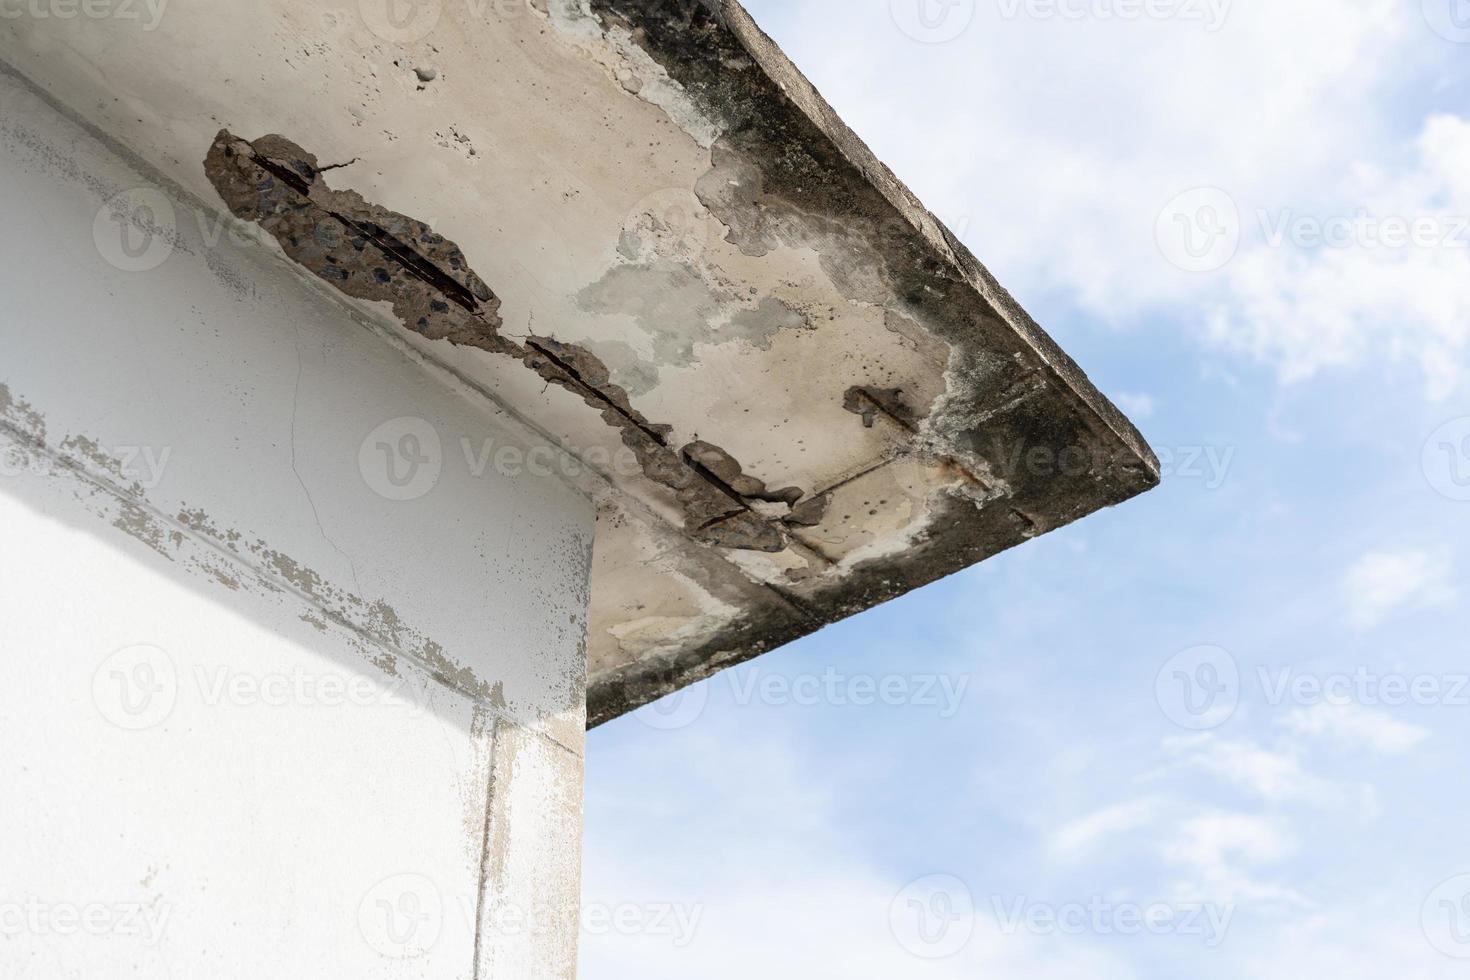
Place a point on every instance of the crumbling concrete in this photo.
(664, 244)
(371, 253)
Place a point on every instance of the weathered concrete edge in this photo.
(762, 630)
(804, 95)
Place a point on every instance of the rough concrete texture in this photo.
(370, 253)
(829, 401)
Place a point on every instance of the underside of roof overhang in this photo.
(637, 226)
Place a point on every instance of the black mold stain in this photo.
(787, 173)
(794, 176)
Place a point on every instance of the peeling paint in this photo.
(21, 416)
(124, 507)
(138, 523)
(802, 246)
(787, 179)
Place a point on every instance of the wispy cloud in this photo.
(1384, 271)
(1354, 726)
(1224, 854)
(1060, 185)
(1083, 835)
(1136, 404)
(1268, 774)
(1382, 583)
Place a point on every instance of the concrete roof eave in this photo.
(636, 225)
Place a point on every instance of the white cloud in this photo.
(1323, 946)
(1085, 834)
(1137, 406)
(1265, 773)
(1354, 726)
(1223, 852)
(1305, 307)
(814, 920)
(768, 885)
(1052, 144)
(1382, 583)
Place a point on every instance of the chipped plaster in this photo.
(689, 249)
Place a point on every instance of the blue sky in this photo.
(1207, 205)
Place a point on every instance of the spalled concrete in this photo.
(793, 393)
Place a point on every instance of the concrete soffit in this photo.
(792, 392)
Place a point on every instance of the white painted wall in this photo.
(291, 684)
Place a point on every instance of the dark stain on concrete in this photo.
(371, 253)
(787, 173)
(870, 402)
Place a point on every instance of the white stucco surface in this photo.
(292, 672)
